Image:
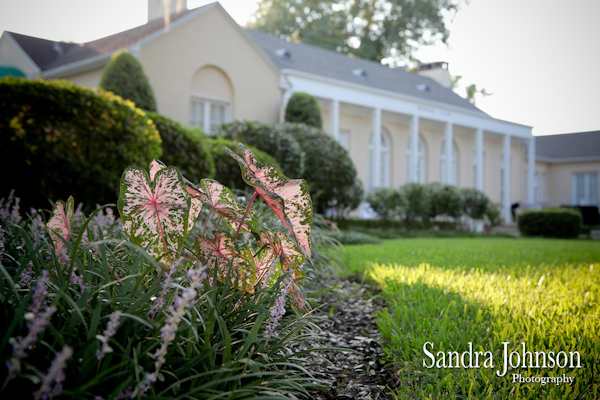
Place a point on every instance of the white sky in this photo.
(539, 58)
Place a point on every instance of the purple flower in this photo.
(52, 381)
(1, 244)
(111, 329)
(26, 277)
(277, 311)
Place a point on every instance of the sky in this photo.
(540, 59)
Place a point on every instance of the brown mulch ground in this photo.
(349, 321)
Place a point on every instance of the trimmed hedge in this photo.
(550, 222)
(277, 143)
(124, 76)
(58, 139)
(184, 148)
(330, 173)
(227, 170)
(302, 108)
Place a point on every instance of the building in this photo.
(567, 169)
(398, 126)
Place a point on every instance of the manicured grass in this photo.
(452, 292)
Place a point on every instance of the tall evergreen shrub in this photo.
(302, 108)
(124, 76)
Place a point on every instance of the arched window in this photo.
(385, 161)
(453, 164)
(420, 160)
(211, 99)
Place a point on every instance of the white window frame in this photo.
(386, 160)
(453, 164)
(343, 138)
(589, 197)
(420, 162)
(206, 122)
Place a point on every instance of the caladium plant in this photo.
(288, 198)
(60, 223)
(155, 210)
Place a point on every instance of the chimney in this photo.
(157, 8)
(438, 71)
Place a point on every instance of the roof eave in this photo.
(23, 53)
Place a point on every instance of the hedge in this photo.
(302, 108)
(277, 143)
(184, 148)
(58, 139)
(550, 222)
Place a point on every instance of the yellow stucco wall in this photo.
(559, 179)
(90, 79)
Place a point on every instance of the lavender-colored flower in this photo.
(52, 381)
(268, 274)
(111, 329)
(1, 244)
(277, 311)
(26, 277)
(11, 216)
(159, 300)
(39, 293)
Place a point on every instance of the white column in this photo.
(479, 159)
(447, 174)
(414, 150)
(507, 181)
(376, 148)
(531, 170)
(335, 119)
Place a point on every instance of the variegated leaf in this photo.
(223, 201)
(221, 252)
(155, 213)
(285, 250)
(289, 199)
(196, 203)
(60, 223)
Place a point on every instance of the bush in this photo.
(352, 237)
(417, 202)
(69, 140)
(184, 148)
(124, 76)
(444, 200)
(475, 203)
(388, 203)
(227, 170)
(331, 174)
(550, 222)
(277, 143)
(303, 108)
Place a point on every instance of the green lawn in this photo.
(470, 295)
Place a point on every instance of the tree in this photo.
(125, 77)
(302, 108)
(369, 29)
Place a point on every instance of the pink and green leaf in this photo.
(285, 250)
(288, 198)
(60, 223)
(155, 213)
(223, 201)
(222, 253)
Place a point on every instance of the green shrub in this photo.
(388, 203)
(273, 141)
(124, 76)
(475, 203)
(353, 237)
(330, 172)
(417, 202)
(303, 108)
(444, 200)
(184, 148)
(550, 222)
(227, 170)
(59, 139)
(493, 213)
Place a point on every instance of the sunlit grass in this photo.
(487, 291)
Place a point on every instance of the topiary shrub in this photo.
(388, 203)
(331, 174)
(227, 170)
(124, 76)
(58, 139)
(279, 144)
(550, 222)
(475, 203)
(302, 108)
(417, 202)
(444, 200)
(184, 148)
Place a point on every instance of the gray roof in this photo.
(579, 146)
(330, 64)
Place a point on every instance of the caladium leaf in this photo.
(155, 213)
(289, 199)
(221, 252)
(223, 201)
(60, 223)
(285, 250)
(196, 203)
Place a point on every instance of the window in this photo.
(385, 160)
(585, 189)
(420, 162)
(453, 164)
(344, 139)
(208, 114)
